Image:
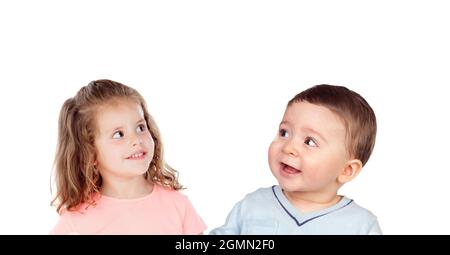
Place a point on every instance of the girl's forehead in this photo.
(119, 106)
(119, 101)
(118, 113)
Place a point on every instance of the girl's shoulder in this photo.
(169, 192)
(70, 220)
(78, 211)
(81, 209)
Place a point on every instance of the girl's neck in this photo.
(128, 189)
(307, 202)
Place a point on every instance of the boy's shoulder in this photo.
(261, 193)
(266, 198)
(260, 198)
(357, 218)
(355, 211)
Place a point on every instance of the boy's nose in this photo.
(289, 148)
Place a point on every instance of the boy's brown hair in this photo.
(358, 117)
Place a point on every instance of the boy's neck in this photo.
(129, 189)
(307, 202)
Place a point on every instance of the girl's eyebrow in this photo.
(116, 128)
(142, 120)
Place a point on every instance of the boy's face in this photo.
(124, 144)
(309, 151)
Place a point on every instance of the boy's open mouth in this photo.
(289, 169)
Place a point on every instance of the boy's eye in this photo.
(310, 142)
(117, 135)
(283, 133)
(141, 128)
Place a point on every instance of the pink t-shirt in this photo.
(162, 212)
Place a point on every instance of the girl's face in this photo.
(309, 151)
(124, 145)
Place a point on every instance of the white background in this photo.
(217, 76)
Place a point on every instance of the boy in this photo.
(325, 138)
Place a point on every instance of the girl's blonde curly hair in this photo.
(76, 179)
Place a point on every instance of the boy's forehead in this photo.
(311, 116)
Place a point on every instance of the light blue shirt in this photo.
(267, 211)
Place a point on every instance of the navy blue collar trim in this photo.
(308, 220)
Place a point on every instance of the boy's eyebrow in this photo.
(308, 129)
(315, 132)
(284, 122)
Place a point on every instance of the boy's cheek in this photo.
(275, 147)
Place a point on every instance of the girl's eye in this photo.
(141, 128)
(283, 133)
(117, 135)
(310, 142)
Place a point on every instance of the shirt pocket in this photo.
(259, 227)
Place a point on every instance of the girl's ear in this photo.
(350, 171)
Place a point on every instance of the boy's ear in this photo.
(350, 171)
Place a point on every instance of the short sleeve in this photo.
(192, 222)
(232, 224)
(375, 229)
(63, 226)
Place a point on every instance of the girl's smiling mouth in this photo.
(137, 156)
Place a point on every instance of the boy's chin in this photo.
(290, 187)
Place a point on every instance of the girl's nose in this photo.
(136, 140)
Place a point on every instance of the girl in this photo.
(111, 176)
